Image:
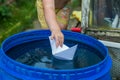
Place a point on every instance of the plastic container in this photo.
(13, 70)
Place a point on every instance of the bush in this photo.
(16, 18)
(5, 11)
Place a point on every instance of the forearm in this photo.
(50, 16)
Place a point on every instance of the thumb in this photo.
(52, 36)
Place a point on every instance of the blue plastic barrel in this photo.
(13, 70)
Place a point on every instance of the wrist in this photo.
(55, 29)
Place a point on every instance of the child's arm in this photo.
(50, 16)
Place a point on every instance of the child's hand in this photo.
(58, 36)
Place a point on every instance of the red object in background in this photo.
(76, 29)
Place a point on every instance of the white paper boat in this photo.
(64, 52)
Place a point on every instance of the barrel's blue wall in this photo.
(12, 70)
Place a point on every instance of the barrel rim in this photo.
(47, 70)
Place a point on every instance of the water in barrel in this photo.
(38, 54)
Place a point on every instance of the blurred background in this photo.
(16, 16)
(103, 17)
(21, 15)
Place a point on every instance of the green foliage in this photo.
(22, 13)
(5, 11)
(75, 3)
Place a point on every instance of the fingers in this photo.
(57, 41)
(59, 38)
(52, 36)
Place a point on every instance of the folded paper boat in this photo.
(64, 52)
